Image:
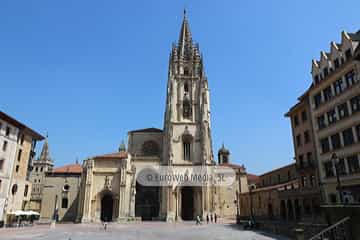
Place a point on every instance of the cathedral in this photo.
(109, 188)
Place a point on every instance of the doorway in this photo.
(107, 203)
(187, 203)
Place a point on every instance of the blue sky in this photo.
(87, 72)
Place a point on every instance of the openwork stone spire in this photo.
(45, 152)
(185, 40)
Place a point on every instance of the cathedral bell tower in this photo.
(187, 113)
(187, 133)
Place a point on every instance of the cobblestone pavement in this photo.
(134, 231)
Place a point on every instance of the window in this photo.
(303, 181)
(337, 63)
(301, 160)
(348, 137)
(325, 145)
(186, 109)
(41, 169)
(341, 167)
(316, 79)
(327, 93)
(338, 86)
(64, 202)
(66, 188)
(186, 87)
(14, 189)
(309, 157)
(331, 116)
(7, 132)
(186, 71)
(307, 136)
(335, 141)
(317, 99)
(329, 171)
(304, 116)
(353, 164)
(355, 104)
(350, 78)
(2, 164)
(321, 122)
(348, 54)
(26, 190)
(289, 175)
(279, 178)
(312, 180)
(22, 139)
(36, 169)
(186, 146)
(298, 140)
(19, 155)
(4, 147)
(343, 110)
(17, 168)
(326, 72)
(296, 121)
(357, 129)
(332, 198)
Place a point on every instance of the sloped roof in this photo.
(21, 126)
(71, 168)
(252, 178)
(115, 155)
(146, 130)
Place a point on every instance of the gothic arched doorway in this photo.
(107, 203)
(187, 203)
(147, 202)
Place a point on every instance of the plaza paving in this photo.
(135, 231)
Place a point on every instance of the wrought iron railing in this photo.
(337, 231)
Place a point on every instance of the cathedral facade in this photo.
(109, 188)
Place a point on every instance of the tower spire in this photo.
(45, 152)
(185, 39)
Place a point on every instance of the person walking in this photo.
(211, 218)
(198, 222)
(207, 218)
(215, 217)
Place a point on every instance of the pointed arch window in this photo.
(186, 109)
(187, 139)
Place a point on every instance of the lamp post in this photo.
(251, 205)
(336, 161)
(237, 208)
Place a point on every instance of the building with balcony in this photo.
(334, 98)
(308, 193)
(16, 155)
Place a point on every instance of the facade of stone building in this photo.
(308, 194)
(335, 111)
(60, 194)
(109, 188)
(268, 200)
(16, 155)
(40, 167)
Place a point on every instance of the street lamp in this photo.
(336, 160)
(251, 204)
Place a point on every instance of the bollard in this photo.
(299, 232)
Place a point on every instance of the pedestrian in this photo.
(215, 216)
(198, 222)
(211, 218)
(207, 218)
(105, 225)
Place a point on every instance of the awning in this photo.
(23, 213)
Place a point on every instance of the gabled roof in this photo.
(68, 169)
(147, 130)
(116, 155)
